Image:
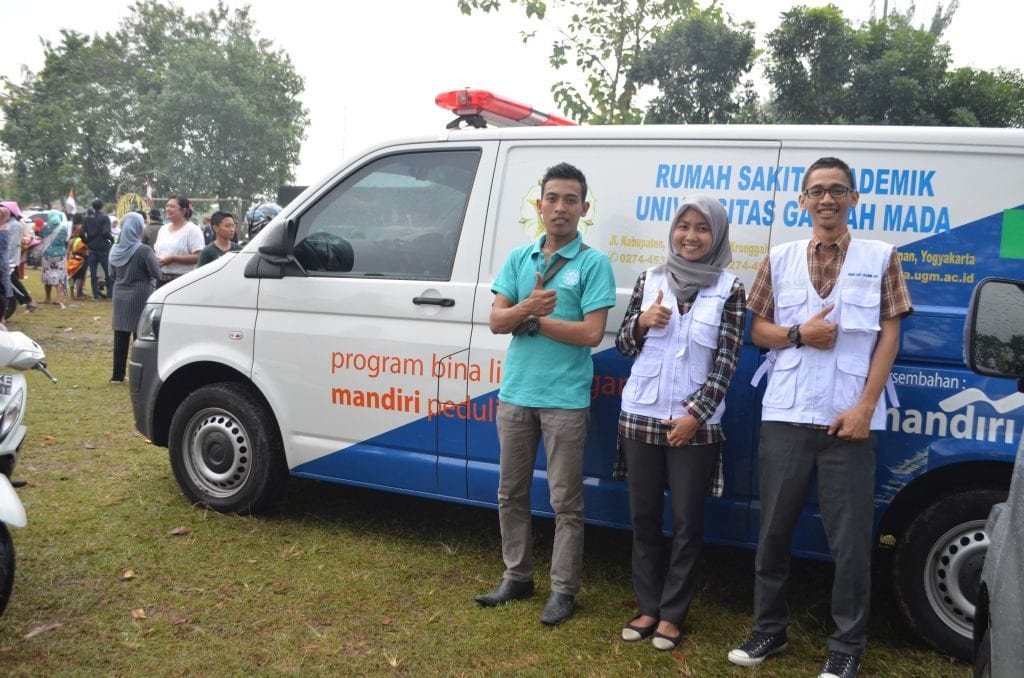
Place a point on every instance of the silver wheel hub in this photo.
(217, 452)
(952, 575)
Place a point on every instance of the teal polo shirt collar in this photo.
(568, 251)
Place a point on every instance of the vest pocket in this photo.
(781, 391)
(851, 375)
(791, 305)
(860, 310)
(642, 387)
(703, 344)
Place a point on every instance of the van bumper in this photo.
(144, 381)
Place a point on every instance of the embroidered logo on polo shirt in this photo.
(570, 279)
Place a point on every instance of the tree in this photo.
(811, 56)
(202, 100)
(899, 73)
(226, 121)
(59, 126)
(697, 64)
(602, 38)
(980, 98)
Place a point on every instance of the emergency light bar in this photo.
(480, 108)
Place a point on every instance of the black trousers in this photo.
(122, 343)
(664, 579)
(789, 456)
(19, 287)
(93, 261)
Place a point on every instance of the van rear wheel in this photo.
(225, 449)
(937, 569)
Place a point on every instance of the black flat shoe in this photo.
(507, 591)
(559, 607)
(663, 643)
(632, 633)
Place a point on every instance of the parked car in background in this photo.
(994, 346)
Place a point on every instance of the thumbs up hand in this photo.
(817, 331)
(541, 302)
(656, 315)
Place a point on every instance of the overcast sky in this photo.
(372, 69)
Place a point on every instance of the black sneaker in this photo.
(839, 665)
(757, 648)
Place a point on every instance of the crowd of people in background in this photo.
(137, 252)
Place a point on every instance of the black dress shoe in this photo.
(559, 607)
(507, 591)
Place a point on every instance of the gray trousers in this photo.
(788, 457)
(665, 580)
(519, 432)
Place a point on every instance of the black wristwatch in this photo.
(794, 336)
(532, 325)
(529, 326)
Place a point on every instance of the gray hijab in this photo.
(129, 241)
(686, 277)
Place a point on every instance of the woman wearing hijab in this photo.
(135, 268)
(7, 291)
(55, 252)
(684, 324)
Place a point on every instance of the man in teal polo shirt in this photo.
(553, 297)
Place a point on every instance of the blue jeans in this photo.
(92, 262)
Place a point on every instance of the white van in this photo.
(349, 341)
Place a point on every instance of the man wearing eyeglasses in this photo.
(829, 310)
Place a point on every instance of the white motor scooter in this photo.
(17, 352)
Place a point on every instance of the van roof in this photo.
(835, 135)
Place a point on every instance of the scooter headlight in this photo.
(12, 413)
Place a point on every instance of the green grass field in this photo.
(119, 576)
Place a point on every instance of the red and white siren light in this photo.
(480, 108)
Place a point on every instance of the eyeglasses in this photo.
(816, 192)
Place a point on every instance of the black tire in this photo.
(983, 658)
(226, 451)
(6, 567)
(937, 569)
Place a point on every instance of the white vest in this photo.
(676, 359)
(812, 386)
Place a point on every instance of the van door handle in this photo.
(433, 301)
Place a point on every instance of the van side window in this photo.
(398, 217)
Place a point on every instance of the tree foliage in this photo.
(697, 64)
(822, 69)
(603, 39)
(201, 101)
(811, 57)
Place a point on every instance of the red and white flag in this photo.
(70, 205)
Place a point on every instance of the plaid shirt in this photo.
(823, 265)
(703, 402)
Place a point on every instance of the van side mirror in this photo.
(277, 244)
(994, 331)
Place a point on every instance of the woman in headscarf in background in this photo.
(55, 256)
(135, 268)
(684, 324)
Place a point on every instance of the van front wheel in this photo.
(225, 450)
(937, 569)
